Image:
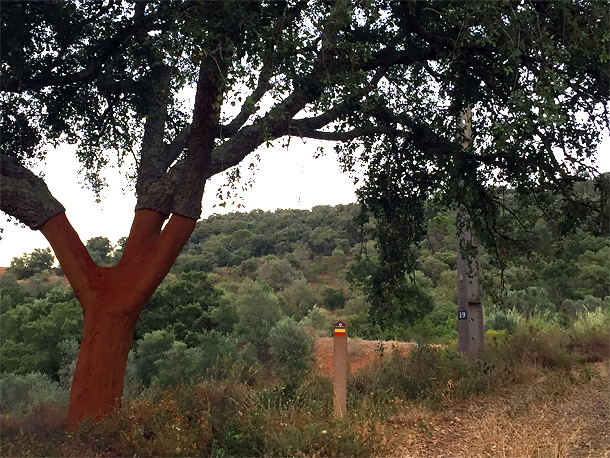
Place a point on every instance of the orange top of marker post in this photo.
(340, 329)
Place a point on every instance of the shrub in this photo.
(356, 305)
(499, 320)
(172, 425)
(177, 365)
(290, 347)
(591, 321)
(40, 283)
(277, 273)
(298, 299)
(21, 392)
(333, 298)
(26, 266)
(590, 336)
(225, 316)
(150, 349)
(37, 433)
(319, 320)
(258, 310)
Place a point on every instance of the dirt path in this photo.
(526, 421)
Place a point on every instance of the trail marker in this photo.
(340, 369)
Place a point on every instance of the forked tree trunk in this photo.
(112, 299)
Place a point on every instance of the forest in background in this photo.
(256, 288)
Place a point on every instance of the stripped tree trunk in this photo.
(112, 299)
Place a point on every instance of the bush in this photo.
(290, 347)
(32, 331)
(318, 319)
(499, 320)
(40, 283)
(591, 321)
(150, 349)
(26, 266)
(277, 273)
(174, 424)
(258, 310)
(21, 392)
(298, 299)
(333, 298)
(590, 336)
(216, 355)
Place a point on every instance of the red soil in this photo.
(360, 353)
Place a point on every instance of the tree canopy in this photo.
(389, 76)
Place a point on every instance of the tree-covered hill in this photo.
(243, 277)
(228, 240)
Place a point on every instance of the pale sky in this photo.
(286, 178)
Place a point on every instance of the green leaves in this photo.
(386, 76)
(29, 264)
(31, 330)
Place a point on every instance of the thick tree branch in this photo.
(277, 122)
(249, 106)
(143, 236)
(174, 236)
(154, 192)
(353, 134)
(391, 57)
(343, 108)
(25, 196)
(206, 118)
(79, 268)
(176, 147)
(273, 125)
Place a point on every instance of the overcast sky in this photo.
(286, 178)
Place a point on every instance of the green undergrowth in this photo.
(257, 415)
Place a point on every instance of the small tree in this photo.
(99, 249)
(259, 311)
(290, 346)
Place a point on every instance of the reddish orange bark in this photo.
(112, 299)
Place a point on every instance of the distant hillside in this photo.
(228, 240)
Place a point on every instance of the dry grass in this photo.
(540, 419)
(535, 411)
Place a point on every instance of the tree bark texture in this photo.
(25, 195)
(112, 299)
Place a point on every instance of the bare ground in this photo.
(536, 420)
(360, 352)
